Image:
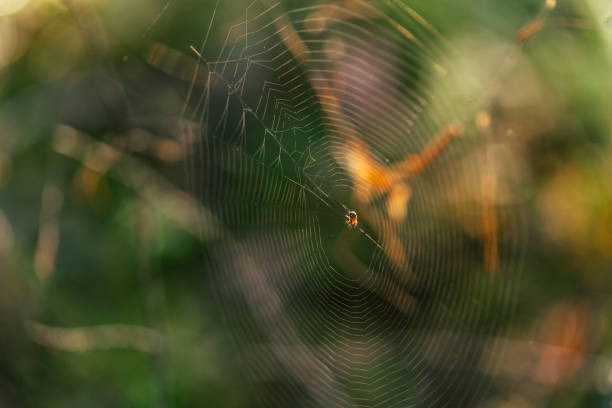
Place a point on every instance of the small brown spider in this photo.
(351, 219)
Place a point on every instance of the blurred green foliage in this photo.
(84, 243)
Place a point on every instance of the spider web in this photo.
(395, 312)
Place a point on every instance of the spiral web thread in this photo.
(394, 313)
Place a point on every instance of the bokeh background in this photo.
(112, 265)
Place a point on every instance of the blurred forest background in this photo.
(107, 293)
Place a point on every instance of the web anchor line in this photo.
(246, 108)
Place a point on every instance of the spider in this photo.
(351, 219)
